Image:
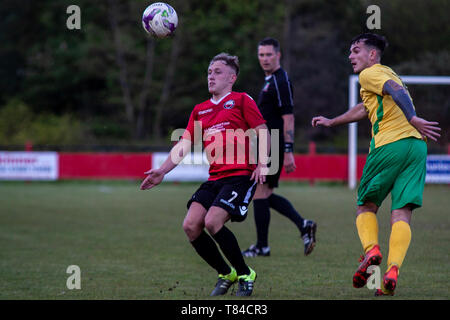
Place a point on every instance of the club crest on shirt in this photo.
(229, 104)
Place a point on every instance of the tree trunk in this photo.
(168, 80)
(142, 104)
(287, 37)
(122, 64)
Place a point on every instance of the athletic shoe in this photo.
(309, 237)
(254, 251)
(383, 292)
(390, 278)
(224, 283)
(246, 282)
(372, 257)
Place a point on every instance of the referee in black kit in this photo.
(276, 104)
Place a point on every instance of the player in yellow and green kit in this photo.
(396, 162)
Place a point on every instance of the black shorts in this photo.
(232, 194)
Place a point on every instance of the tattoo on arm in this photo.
(391, 85)
(290, 135)
(400, 97)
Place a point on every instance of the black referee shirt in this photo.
(276, 99)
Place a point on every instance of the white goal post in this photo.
(353, 94)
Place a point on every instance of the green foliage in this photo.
(414, 27)
(18, 125)
(107, 130)
(111, 72)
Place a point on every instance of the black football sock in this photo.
(230, 248)
(283, 206)
(261, 211)
(207, 249)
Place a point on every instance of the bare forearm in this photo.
(178, 152)
(356, 113)
(289, 128)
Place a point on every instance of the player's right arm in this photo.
(155, 176)
(356, 113)
(176, 155)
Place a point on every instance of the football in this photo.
(160, 20)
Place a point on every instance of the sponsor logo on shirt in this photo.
(205, 111)
(219, 127)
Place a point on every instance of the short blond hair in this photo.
(229, 60)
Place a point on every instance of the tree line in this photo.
(109, 83)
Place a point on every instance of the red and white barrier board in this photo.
(29, 165)
(194, 167)
(79, 165)
(102, 165)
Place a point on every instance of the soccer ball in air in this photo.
(160, 20)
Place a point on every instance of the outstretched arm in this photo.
(403, 100)
(356, 113)
(155, 176)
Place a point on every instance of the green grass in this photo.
(130, 244)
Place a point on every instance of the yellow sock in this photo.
(398, 243)
(367, 226)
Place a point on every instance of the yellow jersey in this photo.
(389, 123)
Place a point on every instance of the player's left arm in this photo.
(288, 132)
(404, 102)
(400, 97)
(259, 175)
(255, 120)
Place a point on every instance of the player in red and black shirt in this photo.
(276, 105)
(223, 123)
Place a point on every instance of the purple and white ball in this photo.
(160, 20)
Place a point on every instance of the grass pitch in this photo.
(129, 244)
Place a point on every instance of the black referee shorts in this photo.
(232, 194)
(272, 180)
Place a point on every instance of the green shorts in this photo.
(399, 168)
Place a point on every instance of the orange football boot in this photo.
(372, 257)
(390, 278)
